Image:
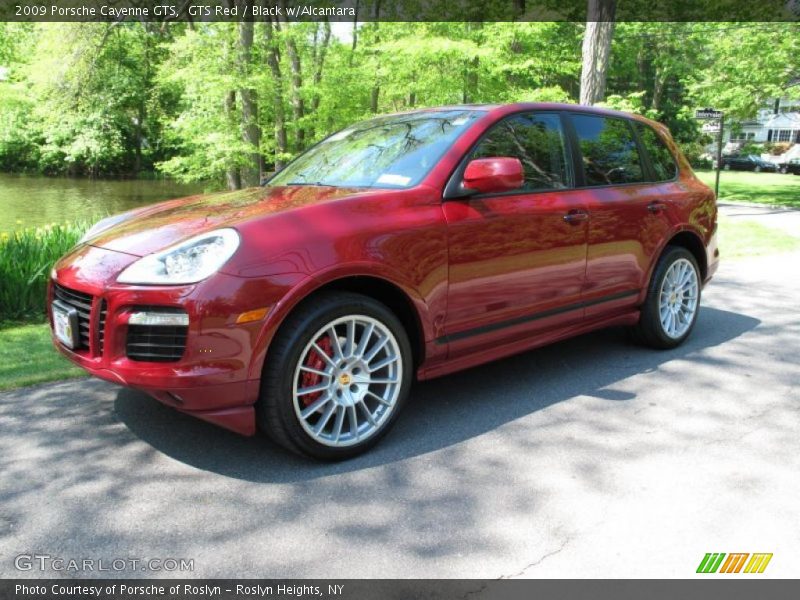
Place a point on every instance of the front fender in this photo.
(310, 284)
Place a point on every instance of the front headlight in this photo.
(188, 262)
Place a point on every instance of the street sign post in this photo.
(707, 113)
(711, 114)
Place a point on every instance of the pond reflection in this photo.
(30, 201)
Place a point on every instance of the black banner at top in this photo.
(399, 10)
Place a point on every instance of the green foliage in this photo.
(751, 148)
(632, 103)
(693, 152)
(26, 258)
(130, 97)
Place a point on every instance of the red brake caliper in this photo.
(315, 361)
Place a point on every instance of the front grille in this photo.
(101, 325)
(156, 343)
(83, 304)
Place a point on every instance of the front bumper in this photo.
(213, 379)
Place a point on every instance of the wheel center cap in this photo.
(344, 379)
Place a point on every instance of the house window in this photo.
(784, 135)
(751, 136)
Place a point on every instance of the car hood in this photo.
(159, 226)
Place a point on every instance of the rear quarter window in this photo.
(661, 158)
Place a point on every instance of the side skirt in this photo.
(489, 354)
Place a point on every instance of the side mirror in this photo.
(493, 175)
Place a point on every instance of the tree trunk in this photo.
(658, 88)
(251, 133)
(232, 177)
(298, 106)
(355, 35)
(139, 133)
(274, 62)
(596, 50)
(376, 89)
(373, 101)
(319, 62)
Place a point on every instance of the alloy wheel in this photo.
(678, 298)
(347, 381)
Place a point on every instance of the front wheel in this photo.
(336, 377)
(757, 169)
(670, 309)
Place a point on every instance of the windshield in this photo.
(387, 152)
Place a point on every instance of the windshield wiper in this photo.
(319, 183)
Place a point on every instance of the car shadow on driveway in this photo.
(442, 412)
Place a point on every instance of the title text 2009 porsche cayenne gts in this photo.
(407, 246)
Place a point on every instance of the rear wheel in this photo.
(757, 169)
(670, 309)
(727, 167)
(336, 377)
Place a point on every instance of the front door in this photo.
(517, 259)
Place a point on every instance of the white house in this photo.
(778, 122)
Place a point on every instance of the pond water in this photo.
(30, 201)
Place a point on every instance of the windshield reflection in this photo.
(396, 151)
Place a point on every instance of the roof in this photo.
(787, 119)
(505, 109)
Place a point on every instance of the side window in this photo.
(609, 151)
(660, 157)
(537, 140)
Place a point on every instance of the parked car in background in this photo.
(405, 247)
(793, 166)
(747, 162)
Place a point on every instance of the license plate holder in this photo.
(65, 325)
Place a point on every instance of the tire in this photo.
(757, 169)
(286, 408)
(654, 328)
(726, 167)
(784, 170)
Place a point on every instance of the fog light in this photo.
(146, 317)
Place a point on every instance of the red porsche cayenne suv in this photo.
(407, 246)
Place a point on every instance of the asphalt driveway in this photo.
(590, 458)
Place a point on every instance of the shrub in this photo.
(778, 148)
(694, 153)
(26, 258)
(752, 148)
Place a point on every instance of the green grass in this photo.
(27, 356)
(26, 258)
(761, 188)
(740, 238)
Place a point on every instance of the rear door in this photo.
(517, 259)
(628, 212)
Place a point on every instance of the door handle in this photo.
(574, 217)
(656, 207)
